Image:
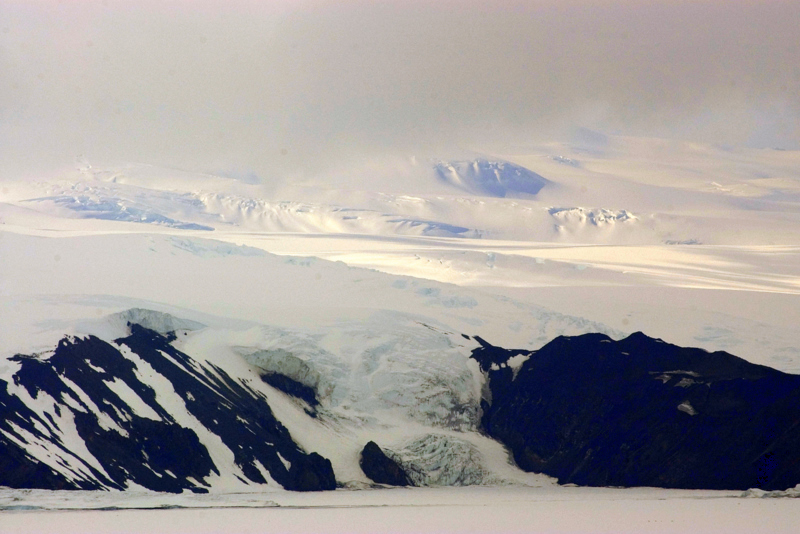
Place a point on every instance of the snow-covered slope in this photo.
(491, 178)
(92, 411)
(644, 205)
(135, 412)
(39, 275)
(382, 355)
(236, 409)
(204, 210)
(359, 304)
(664, 192)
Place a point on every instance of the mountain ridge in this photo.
(594, 411)
(139, 412)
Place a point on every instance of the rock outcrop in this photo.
(640, 412)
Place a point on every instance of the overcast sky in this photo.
(277, 87)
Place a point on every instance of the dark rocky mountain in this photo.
(380, 468)
(292, 387)
(135, 434)
(139, 412)
(640, 412)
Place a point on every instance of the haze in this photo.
(306, 87)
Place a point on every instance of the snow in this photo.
(389, 379)
(131, 399)
(160, 322)
(74, 458)
(686, 407)
(515, 362)
(362, 290)
(106, 421)
(442, 460)
(491, 178)
(440, 510)
(230, 476)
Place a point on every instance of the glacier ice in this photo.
(443, 460)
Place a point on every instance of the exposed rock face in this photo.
(312, 472)
(99, 415)
(95, 414)
(487, 354)
(380, 468)
(287, 372)
(640, 412)
(292, 387)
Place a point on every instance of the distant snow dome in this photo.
(490, 178)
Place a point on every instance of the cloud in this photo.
(288, 87)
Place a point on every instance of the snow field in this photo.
(434, 510)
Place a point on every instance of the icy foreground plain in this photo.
(696, 245)
(395, 511)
